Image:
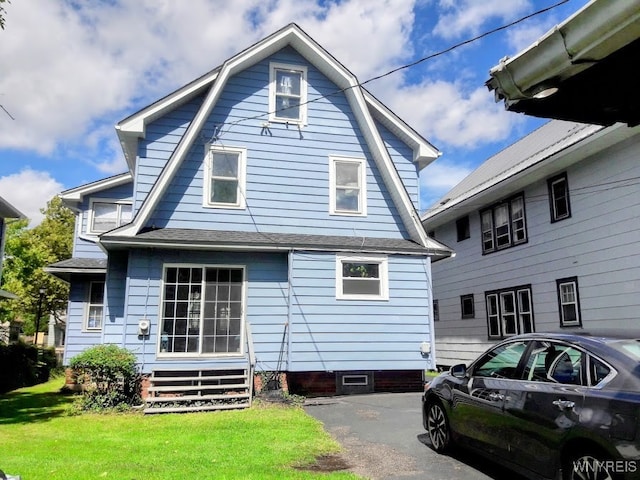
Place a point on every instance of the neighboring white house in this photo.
(546, 236)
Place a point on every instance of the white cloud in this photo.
(468, 17)
(29, 191)
(438, 178)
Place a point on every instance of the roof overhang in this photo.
(9, 211)
(588, 61)
(77, 266)
(72, 197)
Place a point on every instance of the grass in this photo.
(41, 439)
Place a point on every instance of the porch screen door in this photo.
(202, 310)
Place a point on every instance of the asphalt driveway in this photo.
(383, 438)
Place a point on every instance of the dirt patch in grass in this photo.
(326, 463)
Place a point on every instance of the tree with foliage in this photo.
(27, 252)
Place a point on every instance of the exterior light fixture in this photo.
(543, 90)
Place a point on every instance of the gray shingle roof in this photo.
(79, 264)
(541, 144)
(189, 238)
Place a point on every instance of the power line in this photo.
(403, 67)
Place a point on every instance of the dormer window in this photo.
(106, 215)
(288, 93)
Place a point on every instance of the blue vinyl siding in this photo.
(77, 339)
(330, 334)
(266, 307)
(86, 247)
(287, 168)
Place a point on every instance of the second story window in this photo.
(348, 187)
(107, 215)
(225, 178)
(288, 93)
(462, 228)
(503, 225)
(559, 197)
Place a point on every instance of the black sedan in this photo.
(547, 405)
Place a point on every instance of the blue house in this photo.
(267, 224)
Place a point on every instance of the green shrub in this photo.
(23, 365)
(109, 377)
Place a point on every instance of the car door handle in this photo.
(496, 396)
(564, 404)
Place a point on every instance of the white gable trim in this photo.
(294, 36)
(77, 194)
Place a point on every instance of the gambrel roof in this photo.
(366, 109)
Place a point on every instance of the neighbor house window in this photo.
(225, 177)
(503, 225)
(288, 93)
(462, 228)
(348, 192)
(569, 302)
(95, 306)
(362, 278)
(559, 205)
(106, 215)
(202, 310)
(436, 311)
(467, 306)
(509, 312)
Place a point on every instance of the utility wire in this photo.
(403, 67)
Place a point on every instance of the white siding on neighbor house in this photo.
(287, 183)
(86, 247)
(330, 334)
(599, 244)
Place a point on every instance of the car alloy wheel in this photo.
(438, 427)
(587, 467)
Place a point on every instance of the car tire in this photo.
(587, 465)
(438, 427)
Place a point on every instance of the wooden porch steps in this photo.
(173, 391)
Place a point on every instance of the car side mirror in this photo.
(459, 371)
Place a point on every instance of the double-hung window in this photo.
(225, 177)
(348, 189)
(362, 278)
(288, 93)
(503, 225)
(106, 215)
(568, 302)
(95, 306)
(202, 310)
(509, 312)
(559, 205)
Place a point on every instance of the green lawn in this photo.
(40, 439)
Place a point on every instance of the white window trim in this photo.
(575, 303)
(242, 177)
(87, 307)
(360, 380)
(273, 90)
(333, 159)
(241, 353)
(88, 228)
(383, 271)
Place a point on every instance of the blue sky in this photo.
(70, 70)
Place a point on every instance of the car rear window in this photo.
(631, 348)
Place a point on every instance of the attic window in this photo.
(287, 93)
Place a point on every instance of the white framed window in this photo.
(503, 225)
(362, 278)
(225, 177)
(105, 215)
(559, 205)
(569, 302)
(287, 93)
(509, 312)
(202, 310)
(95, 306)
(348, 186)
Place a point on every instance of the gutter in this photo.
(597, 30)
